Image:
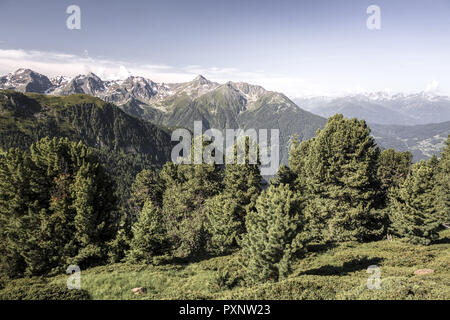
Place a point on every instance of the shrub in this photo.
(40, 289)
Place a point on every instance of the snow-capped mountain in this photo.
(121, 92)
(25, 80)
(393, 117)
(383, 107)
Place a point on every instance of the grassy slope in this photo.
(337, 273)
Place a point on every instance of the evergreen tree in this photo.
(187, 187)
(149, 235)
(226, 212)
(56, 207)
(443, 182)
(393, 168)
(147, 186)
(274, 234)
(298, 156)
(413, 207)
(284, 176)
(221, 223)
(243, 181)
(343, 195)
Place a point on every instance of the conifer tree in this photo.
(443, 182)
(221, 223)
(298, 156)
(188, 186)
(413, 206)
(56, 207)
(274, 234)
(243, 180)
(344, 199)
(393, 168)
(284, 176)
(149, 235)
(146, 186)
(226, 212)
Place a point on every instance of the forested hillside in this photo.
(340, 197)
(126, 145)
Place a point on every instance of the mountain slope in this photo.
(221, 106)
(241, 105)
(238, 105)
(423, 141)
(25, 118)
(382, 108)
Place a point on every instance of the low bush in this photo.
(40, 289)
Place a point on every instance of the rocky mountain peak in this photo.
(25, 80)
(201, 79)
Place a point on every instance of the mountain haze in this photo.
(383, 108)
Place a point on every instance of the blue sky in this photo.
(297, 47)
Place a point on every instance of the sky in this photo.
(320, 47)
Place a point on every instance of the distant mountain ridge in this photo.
(242, 105)
(221, 106)
(383, 108)
(423, 141)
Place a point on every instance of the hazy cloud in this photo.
(53, 63)
(433, 86)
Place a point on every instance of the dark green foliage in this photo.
(284, 176)
(221, 223)
(344, 199)
(274, 235)
(124, 144)
(147, 186)
(414, 213)
(56, 208)
(443, 181)
(298, 156)
(149, 235)
(40, 289)
(243, 180)
(393, 168)
(188, 186)
(123, 167)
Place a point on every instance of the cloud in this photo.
(54, 63)
(432, 87)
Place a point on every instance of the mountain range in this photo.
(393, 118)
(383, 108)
(220, 106)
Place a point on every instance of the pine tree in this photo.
(146, 186)
(284, 176)
(16, 196)
(443, 182)
(343, 195)
(413, 207)
(298, 156)
(393, 168)
(274, 235)
(221, 223)
(57, 207)
(243, 181)
(187, 187)
(149, 235)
